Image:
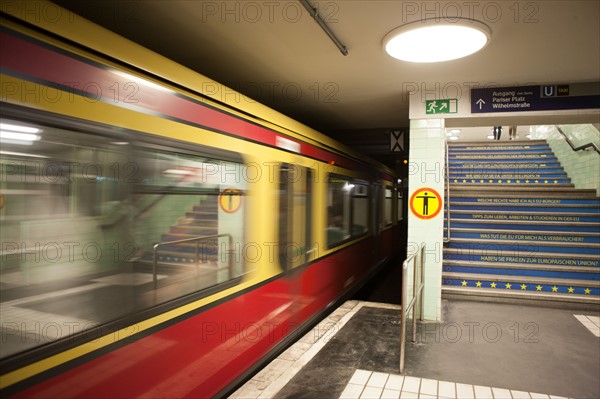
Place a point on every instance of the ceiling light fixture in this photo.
(433, 40)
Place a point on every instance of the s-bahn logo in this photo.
(425, 203)
(230, 200)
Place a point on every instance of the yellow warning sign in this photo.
(425, 203)
(2, 201)
(230, 200)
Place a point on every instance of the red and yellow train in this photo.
(159, 240)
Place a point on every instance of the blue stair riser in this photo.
(513, 166)
(547, 182)
(185, 229)
(499, 285)
(516, 248)
(496, 171)
(201, 216)
(565, 238)
(517, 208)
(182, 254)
(523, 272)
(513, 150)
(537, 201)
(468, 256)
(507, 159)
(465, 224)
(487, 175)
(517, 147)
(505, 217)
(185, 260)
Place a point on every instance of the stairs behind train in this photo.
(519, 230)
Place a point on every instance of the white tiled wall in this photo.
(426, 169)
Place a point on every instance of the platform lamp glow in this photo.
(435, 40)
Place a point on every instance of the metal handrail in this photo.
(447, 190)
(581, 147)
(197, 258)
(417, 257)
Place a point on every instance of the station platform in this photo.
(479, 350)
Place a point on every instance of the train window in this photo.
(360, 209)
(388, 205)
(80, 214)
(399, 204)
(295, 215)
(193, 207)
(347, 209)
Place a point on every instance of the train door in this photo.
(295, 216)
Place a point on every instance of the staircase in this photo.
(520, 231)
(201, 221)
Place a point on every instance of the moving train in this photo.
(160, 239)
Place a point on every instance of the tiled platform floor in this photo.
(501, 352)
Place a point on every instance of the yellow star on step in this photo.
(538, 288)
(523, 287)
(499, 181)
(482, 181)
(507, 285)
(508, 181)
(587, 291)
(527, 181)
(478, 284)
(555, 289)
(491, 181)
(493, 285)
(571, 290)
(555, 181)
(472, 180)
(464, 181)
(464, 283)
(536, 181)
(455, 180)
(518, 181)
(543, 155)
(545, 181)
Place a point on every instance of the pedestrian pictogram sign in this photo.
(230, 200)
(425, 203)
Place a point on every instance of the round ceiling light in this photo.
(432, 40)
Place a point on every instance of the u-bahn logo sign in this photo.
(425, 203)
(230, 200)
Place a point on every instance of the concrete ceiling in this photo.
(274, 51)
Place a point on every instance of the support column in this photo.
(426, 170)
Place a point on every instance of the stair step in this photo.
(506, 199)
(533, 236)
(522, 266)
(525, 225)
(202, 215)
(532, 216)
(513, 296)
(525, 246)
(525, 208)
(538, 258)
(194, 230)
(528, 280)
(514, 190)
(489, 268)
(208, 223)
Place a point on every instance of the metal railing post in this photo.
(197, 257)
(403, 316)
(417, 260)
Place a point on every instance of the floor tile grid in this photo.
(365, 384)
(270, 380)
(592, 323)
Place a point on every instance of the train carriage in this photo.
(160, 239)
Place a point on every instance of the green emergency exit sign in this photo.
(442, 106)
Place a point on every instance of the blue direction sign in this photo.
(536, 98)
